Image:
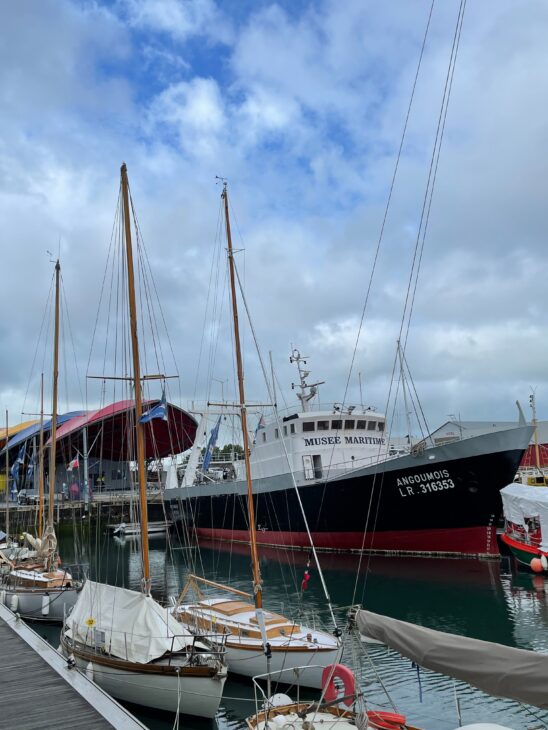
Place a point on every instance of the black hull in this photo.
(448, 506)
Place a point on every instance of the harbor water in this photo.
(482, 599)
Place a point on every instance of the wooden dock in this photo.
(38, 690)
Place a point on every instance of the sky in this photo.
(301, 107)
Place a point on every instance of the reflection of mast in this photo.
(257, 583)
(137, 384)
(533, 405)
(307, 391)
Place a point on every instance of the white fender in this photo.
(45, 604)
(14, 602)
(3, 598)
(89, 671)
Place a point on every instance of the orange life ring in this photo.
(346, 676)
(386, 720)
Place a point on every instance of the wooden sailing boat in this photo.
(256, 639)
(37, 588)
(131, 645)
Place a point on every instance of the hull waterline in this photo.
(444, 501)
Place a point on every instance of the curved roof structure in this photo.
(34, 429)
(111, 432)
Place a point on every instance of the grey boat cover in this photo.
(502, 671)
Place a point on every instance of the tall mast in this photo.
(53, 446)
(7, 481)
(257, 583)
(41, 461)
(137, 384)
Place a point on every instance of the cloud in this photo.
(301, 107)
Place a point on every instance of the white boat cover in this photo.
(135, 626)
(520, 501)
(502, 671)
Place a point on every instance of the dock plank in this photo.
(34, 696)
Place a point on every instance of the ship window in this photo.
(264, 436)
(381, 426)
(276, 433)
(309, 425)
(360, 425)
(323, 425)
(292, 427)
(285, 430)
(371, 425)
(336, 424)
(349, 424)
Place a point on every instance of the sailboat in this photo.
(129, 643)
(256, 639)
(37, 588)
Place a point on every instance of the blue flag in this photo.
(211, 444)
(159, 411)
(14, 471)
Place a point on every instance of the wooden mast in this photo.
(41, 462)
(53, 445)
(7, 481)
(257, 583)
(137, 384)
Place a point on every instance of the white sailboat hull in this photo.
(198, 696)
(251, 662)
(37, 604)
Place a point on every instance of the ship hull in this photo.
(442, 501)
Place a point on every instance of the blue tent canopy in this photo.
(34, 430)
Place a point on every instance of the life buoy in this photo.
(346, 676)
(386, 720)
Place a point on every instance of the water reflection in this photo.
(480, 599)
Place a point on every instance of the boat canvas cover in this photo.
(127, 623)
(502, 671)
(520, 501)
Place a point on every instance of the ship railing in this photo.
(291, 676)
(521, 534)
(98, 642)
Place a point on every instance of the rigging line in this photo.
(211, 272)
(457, 46)
(417, 255)
(389, 199)
(109, 252)
(414, 390)
(450, 70)
(67, 316)
(279, 424)
(155, 290)
(45, 320)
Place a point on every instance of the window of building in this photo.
(264, 436)
(360, 425)
(285, 430)
(349, 424)
(309, 425)
(292, 427)
(336, 424)
(323, 425)
(371, 425)
(276, 433)
(381, 425)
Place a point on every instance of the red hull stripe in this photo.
(535, 551)
(461, 541)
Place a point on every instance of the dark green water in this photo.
(484, 600)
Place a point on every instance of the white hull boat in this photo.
(291, 645)
(198, 695)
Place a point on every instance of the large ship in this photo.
(358, 492)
